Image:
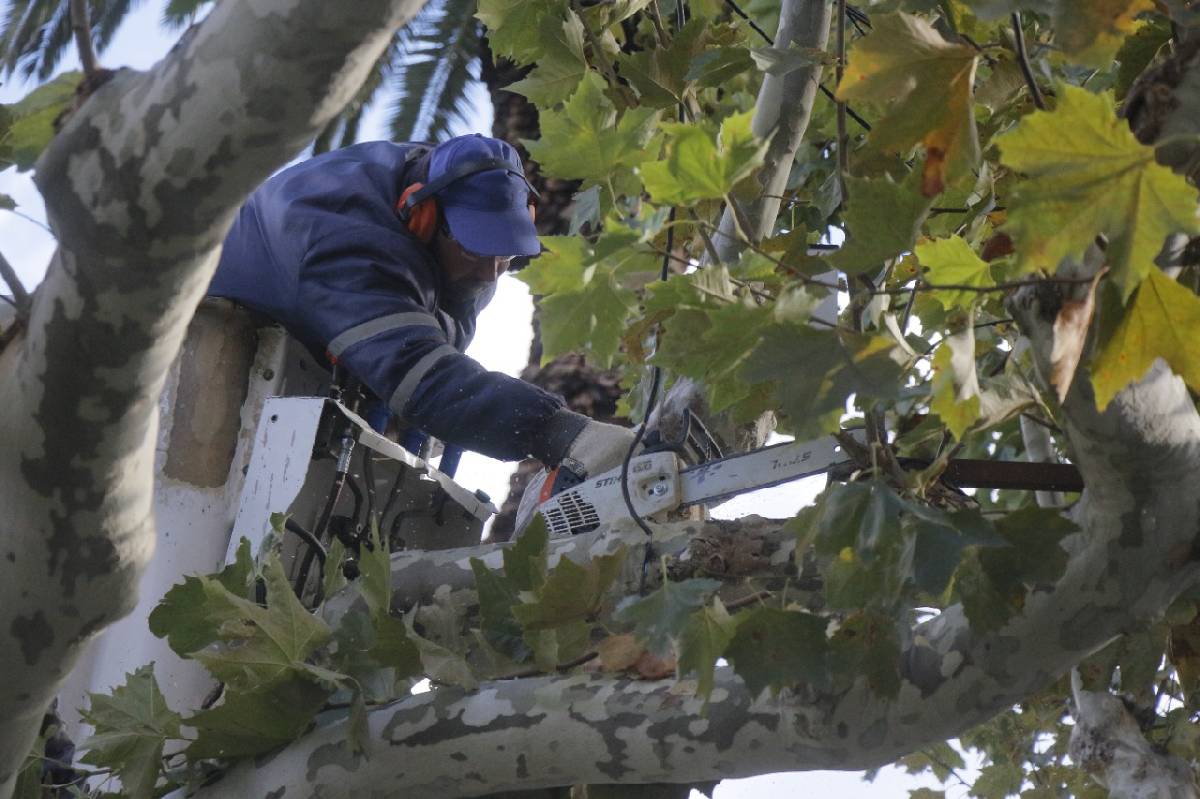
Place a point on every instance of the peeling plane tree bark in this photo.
(1131, 558)
(140, 187)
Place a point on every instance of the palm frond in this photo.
(26, 28)
(345, 126)
(429, 88)
(180, 13)
(36, 34)
(459, 69)
(107, 16)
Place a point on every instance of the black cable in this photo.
(293, 526)
(339, 481)
(656, 380)
(369, 479)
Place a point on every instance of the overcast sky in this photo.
(502, 345)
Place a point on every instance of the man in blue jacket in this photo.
(380, 256)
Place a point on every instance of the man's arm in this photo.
(368, 292)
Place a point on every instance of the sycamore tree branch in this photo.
(781, 116)
(752, 546)
(782, 112)
(1132, 557)
(1107, 742)
(140, 186)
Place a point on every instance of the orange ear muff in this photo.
(422, 218)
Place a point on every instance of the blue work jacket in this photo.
(320, 249)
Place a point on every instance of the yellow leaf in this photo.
(1086, 174)
(1161, 323)
(1091, 31)
(952, 261)
(927, 86)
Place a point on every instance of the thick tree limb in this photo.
(750, 546)
(140, 187)
(781, 114)
(1107, 743)
(1139, 523)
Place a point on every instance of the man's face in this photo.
(467, 274)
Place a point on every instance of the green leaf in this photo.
(992, 582)
(561, 66)
(29, 777)
(776, 648)
(704, 638)
(711, 345)
(259, 645)
(439, 663)
(867, 644)
(1139, 51)
(191, 613)
(253, 722)
(591, 318)
(883, 220)
(781, 61)
(375, 574)
(717, 66)
(926, 85)
(131, 727)
(585, 211)
(559, 645)
(955, 382)
(814, 371)
(863, 516)
(986, 605)
(358, 733)
(1160, 323)
(334, 580)
(1086, 175)
(661, 75)
(32, 126)
(658, 619)
(1036, 554)
(1091, 31)
(7, 203)
(941, 539)
(585, 140)
(571, 592)
(525, 562)
(560, 267)
(497, 596)
(952, 261)
(515, 27)
(392, 647)
(700, 166)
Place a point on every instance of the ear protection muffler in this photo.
(418, 209)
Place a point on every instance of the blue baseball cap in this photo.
(487, 211)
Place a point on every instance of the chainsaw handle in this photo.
(559, 479)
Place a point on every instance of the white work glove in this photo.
(598, 448)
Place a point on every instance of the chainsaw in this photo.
(660, 482)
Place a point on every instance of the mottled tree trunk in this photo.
(140, 187)
(587, 390)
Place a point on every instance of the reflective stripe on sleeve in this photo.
(408, 385)
(381, 324)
